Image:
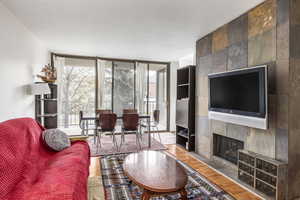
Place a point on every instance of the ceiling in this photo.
(162, 30)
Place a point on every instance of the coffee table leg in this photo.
(183, 194)
(146, 195)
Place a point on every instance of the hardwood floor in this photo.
(226, 184)
(223, 182)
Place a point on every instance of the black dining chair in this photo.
(107, 124)
(98, 112)
(130, 126)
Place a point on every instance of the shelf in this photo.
(184, 84)
(246, 164)
(47, 115)
(267, 173)
(183, 99)
(182, 135)
(185, 107)
(48, 99)
(246, 173)
(268, 184)
(182, 126)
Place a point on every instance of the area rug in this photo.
(117, 185)
(107, 147)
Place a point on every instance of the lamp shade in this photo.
(40, 88)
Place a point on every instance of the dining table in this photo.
(87, 119)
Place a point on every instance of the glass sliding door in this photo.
(90, 83)
(105, 82)
(162, 100)
(76, 85)
(134, 85)
(123, 86)
(141, 96)
(158, 93)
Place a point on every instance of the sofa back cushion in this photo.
(19, 145)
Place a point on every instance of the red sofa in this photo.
(31, 171)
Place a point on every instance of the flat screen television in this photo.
(239, 93)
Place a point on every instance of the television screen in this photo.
(239, 92)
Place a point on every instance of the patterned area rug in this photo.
(130, 146)
(118, 187)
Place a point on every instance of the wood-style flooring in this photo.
(223, 182)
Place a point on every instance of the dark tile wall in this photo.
(294, 100)
(268, 34)
(247, 41)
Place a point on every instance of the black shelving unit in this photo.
(185, 108)
(49, 102)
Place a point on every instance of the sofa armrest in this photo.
(78, 138)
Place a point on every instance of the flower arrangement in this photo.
(49, 74)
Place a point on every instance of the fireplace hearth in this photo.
(227, 148)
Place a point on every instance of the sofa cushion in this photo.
(56, 139)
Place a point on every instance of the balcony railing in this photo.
(73, 117)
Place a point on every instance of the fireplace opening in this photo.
(227, 148)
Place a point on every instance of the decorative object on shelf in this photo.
(185, 107)
(50, 74)
(264, 174)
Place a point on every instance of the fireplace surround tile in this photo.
(262, 18)
(238, 30)
(262, 48)
(282, 77)
(205, 64)
(202, 86)
(238, 55)
(219, 61)
(237, 132)
(203, 128)
(260, 141)
(295, 40)
(204, 46)
(202, 106)
(282, 112)
(282, 144)
(295, 12)
(204, 146)
(218, 127)
(220, 39)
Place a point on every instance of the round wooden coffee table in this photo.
(157, 173)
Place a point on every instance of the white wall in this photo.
(187, 60)
(173, 92)
(21, 57)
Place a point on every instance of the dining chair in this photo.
(154, 124)
(103, 111)
(107, 123)
(85, 126)
(130, 126)
(98, 112)
(129, 111)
